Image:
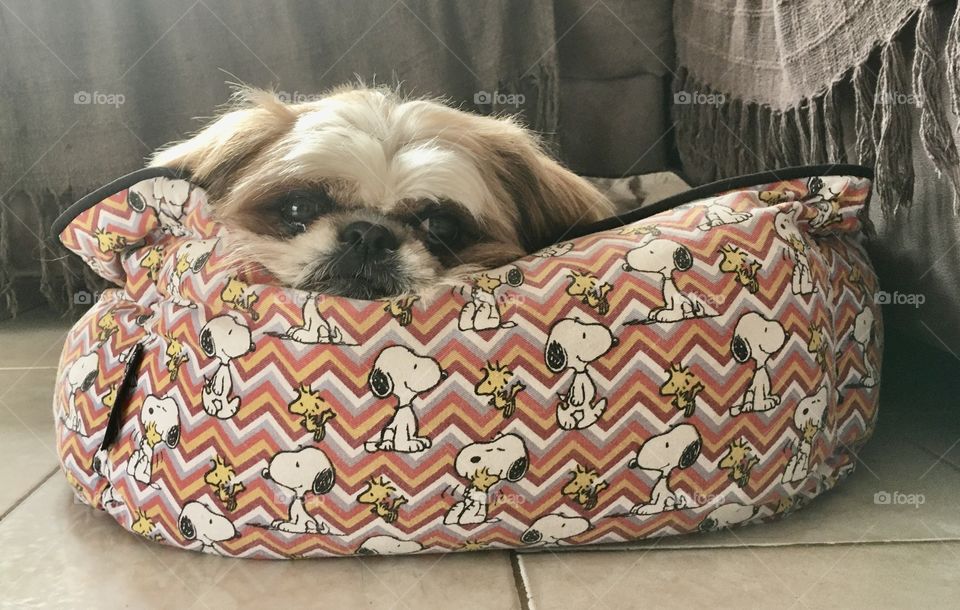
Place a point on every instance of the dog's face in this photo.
(162, 414)
(200, 522)
(575, 344)
(388, 545)
(83, 372)
(756, 337)
(677, 448)
(367, 195)
(660, 256)
(307, 470)
(225, 338)
(400, 372)
(552, 528)
(505, 457)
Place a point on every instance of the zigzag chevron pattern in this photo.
(706, 367)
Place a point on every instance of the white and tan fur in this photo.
(385, 160)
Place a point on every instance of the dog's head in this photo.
(505, 457)
(727, 515)
(225, 338)
(388, 545)
(552, 528)
(363, 193)
(83, 372)
(661, 256)
(812, 410)
(200, 522)
(575, 344)
(399, 371)
(756, 337)
(677, 448)
(863, 326)
(163, 416)
(307, 470)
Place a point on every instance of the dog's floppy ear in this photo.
(323, 482)
(682, 258)
(172, 438)
(740, 348)
(691, 453)
(556, 356)
(185, 525)
(214, 154)
(548, 198)
(531, 536)
(517, 469)
(380, 383)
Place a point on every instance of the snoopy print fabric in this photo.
(713, 364)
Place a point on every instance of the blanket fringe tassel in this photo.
(719, 138)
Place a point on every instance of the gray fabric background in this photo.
(593, 77)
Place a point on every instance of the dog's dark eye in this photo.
(299, 209)
(441, 229)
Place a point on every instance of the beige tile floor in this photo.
(843, 551)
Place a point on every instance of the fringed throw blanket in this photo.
(760, 83)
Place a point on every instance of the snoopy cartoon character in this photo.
(679, 447)
(727, 515)
(717, 214)
(306, 470)
(484, 465)
(663, 257)
(160, 418)
(482, 312)
(801, 281)
(554, 529)
(808, 418)
(223, 338)
(388, 545)
(315, 328)
(166, 197)
(573, 345)
(80, 377)
(190, 258)
(202, 523)
(101, 466)
(862, 335)
(398, 371)
(757, 338)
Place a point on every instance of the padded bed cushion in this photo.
(706, 362)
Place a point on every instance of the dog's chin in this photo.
(367, 288)
(369, 282)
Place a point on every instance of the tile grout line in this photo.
(29, 493)
(520, 581)
(600, 548)
(942, 457)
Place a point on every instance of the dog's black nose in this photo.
(368, 239)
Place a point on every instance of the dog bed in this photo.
(709, 361)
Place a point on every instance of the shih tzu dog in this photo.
(365, 194)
